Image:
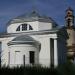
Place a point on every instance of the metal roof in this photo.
(31, 16)
(24, 39)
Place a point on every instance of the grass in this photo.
(64, 69)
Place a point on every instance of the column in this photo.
(55, 53)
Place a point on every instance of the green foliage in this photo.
(28, 71)
(65, 69)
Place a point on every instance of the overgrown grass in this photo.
(65, 69)
(28, 71)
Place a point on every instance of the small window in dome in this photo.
(18, 29)
(32, 57)
(30, 28)
(24, 27)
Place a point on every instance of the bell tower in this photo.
(69, 18)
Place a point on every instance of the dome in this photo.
(32, 16)
(23, 39)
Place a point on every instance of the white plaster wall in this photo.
(36, 25)
(4, 53)
(44, 26)
(44, 55)
(24, 50)
(12, 28)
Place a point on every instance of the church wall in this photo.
(36, 25)
(44, 55)
(4, 48)
(44, 26)
(24, 50)
(12, 28)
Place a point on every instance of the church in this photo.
(34, 39)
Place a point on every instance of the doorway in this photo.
(52, 51)
(32, 57)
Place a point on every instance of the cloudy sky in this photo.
(54, 8)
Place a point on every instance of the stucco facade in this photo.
(33, 40)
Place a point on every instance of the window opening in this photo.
(18, 29)
(30, 28)
(24, 27)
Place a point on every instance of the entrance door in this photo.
(32, 57)
(52, 51)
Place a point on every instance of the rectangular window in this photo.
(32, 57)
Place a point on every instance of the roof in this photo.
(23, 39)
(31, 16)
(69, 9)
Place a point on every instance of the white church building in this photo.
(33, 39)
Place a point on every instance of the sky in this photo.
(55, 9)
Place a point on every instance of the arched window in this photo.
(18, 29)
(24, 27)
(30, 28)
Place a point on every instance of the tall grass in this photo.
(65, 69)
(28, 71)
